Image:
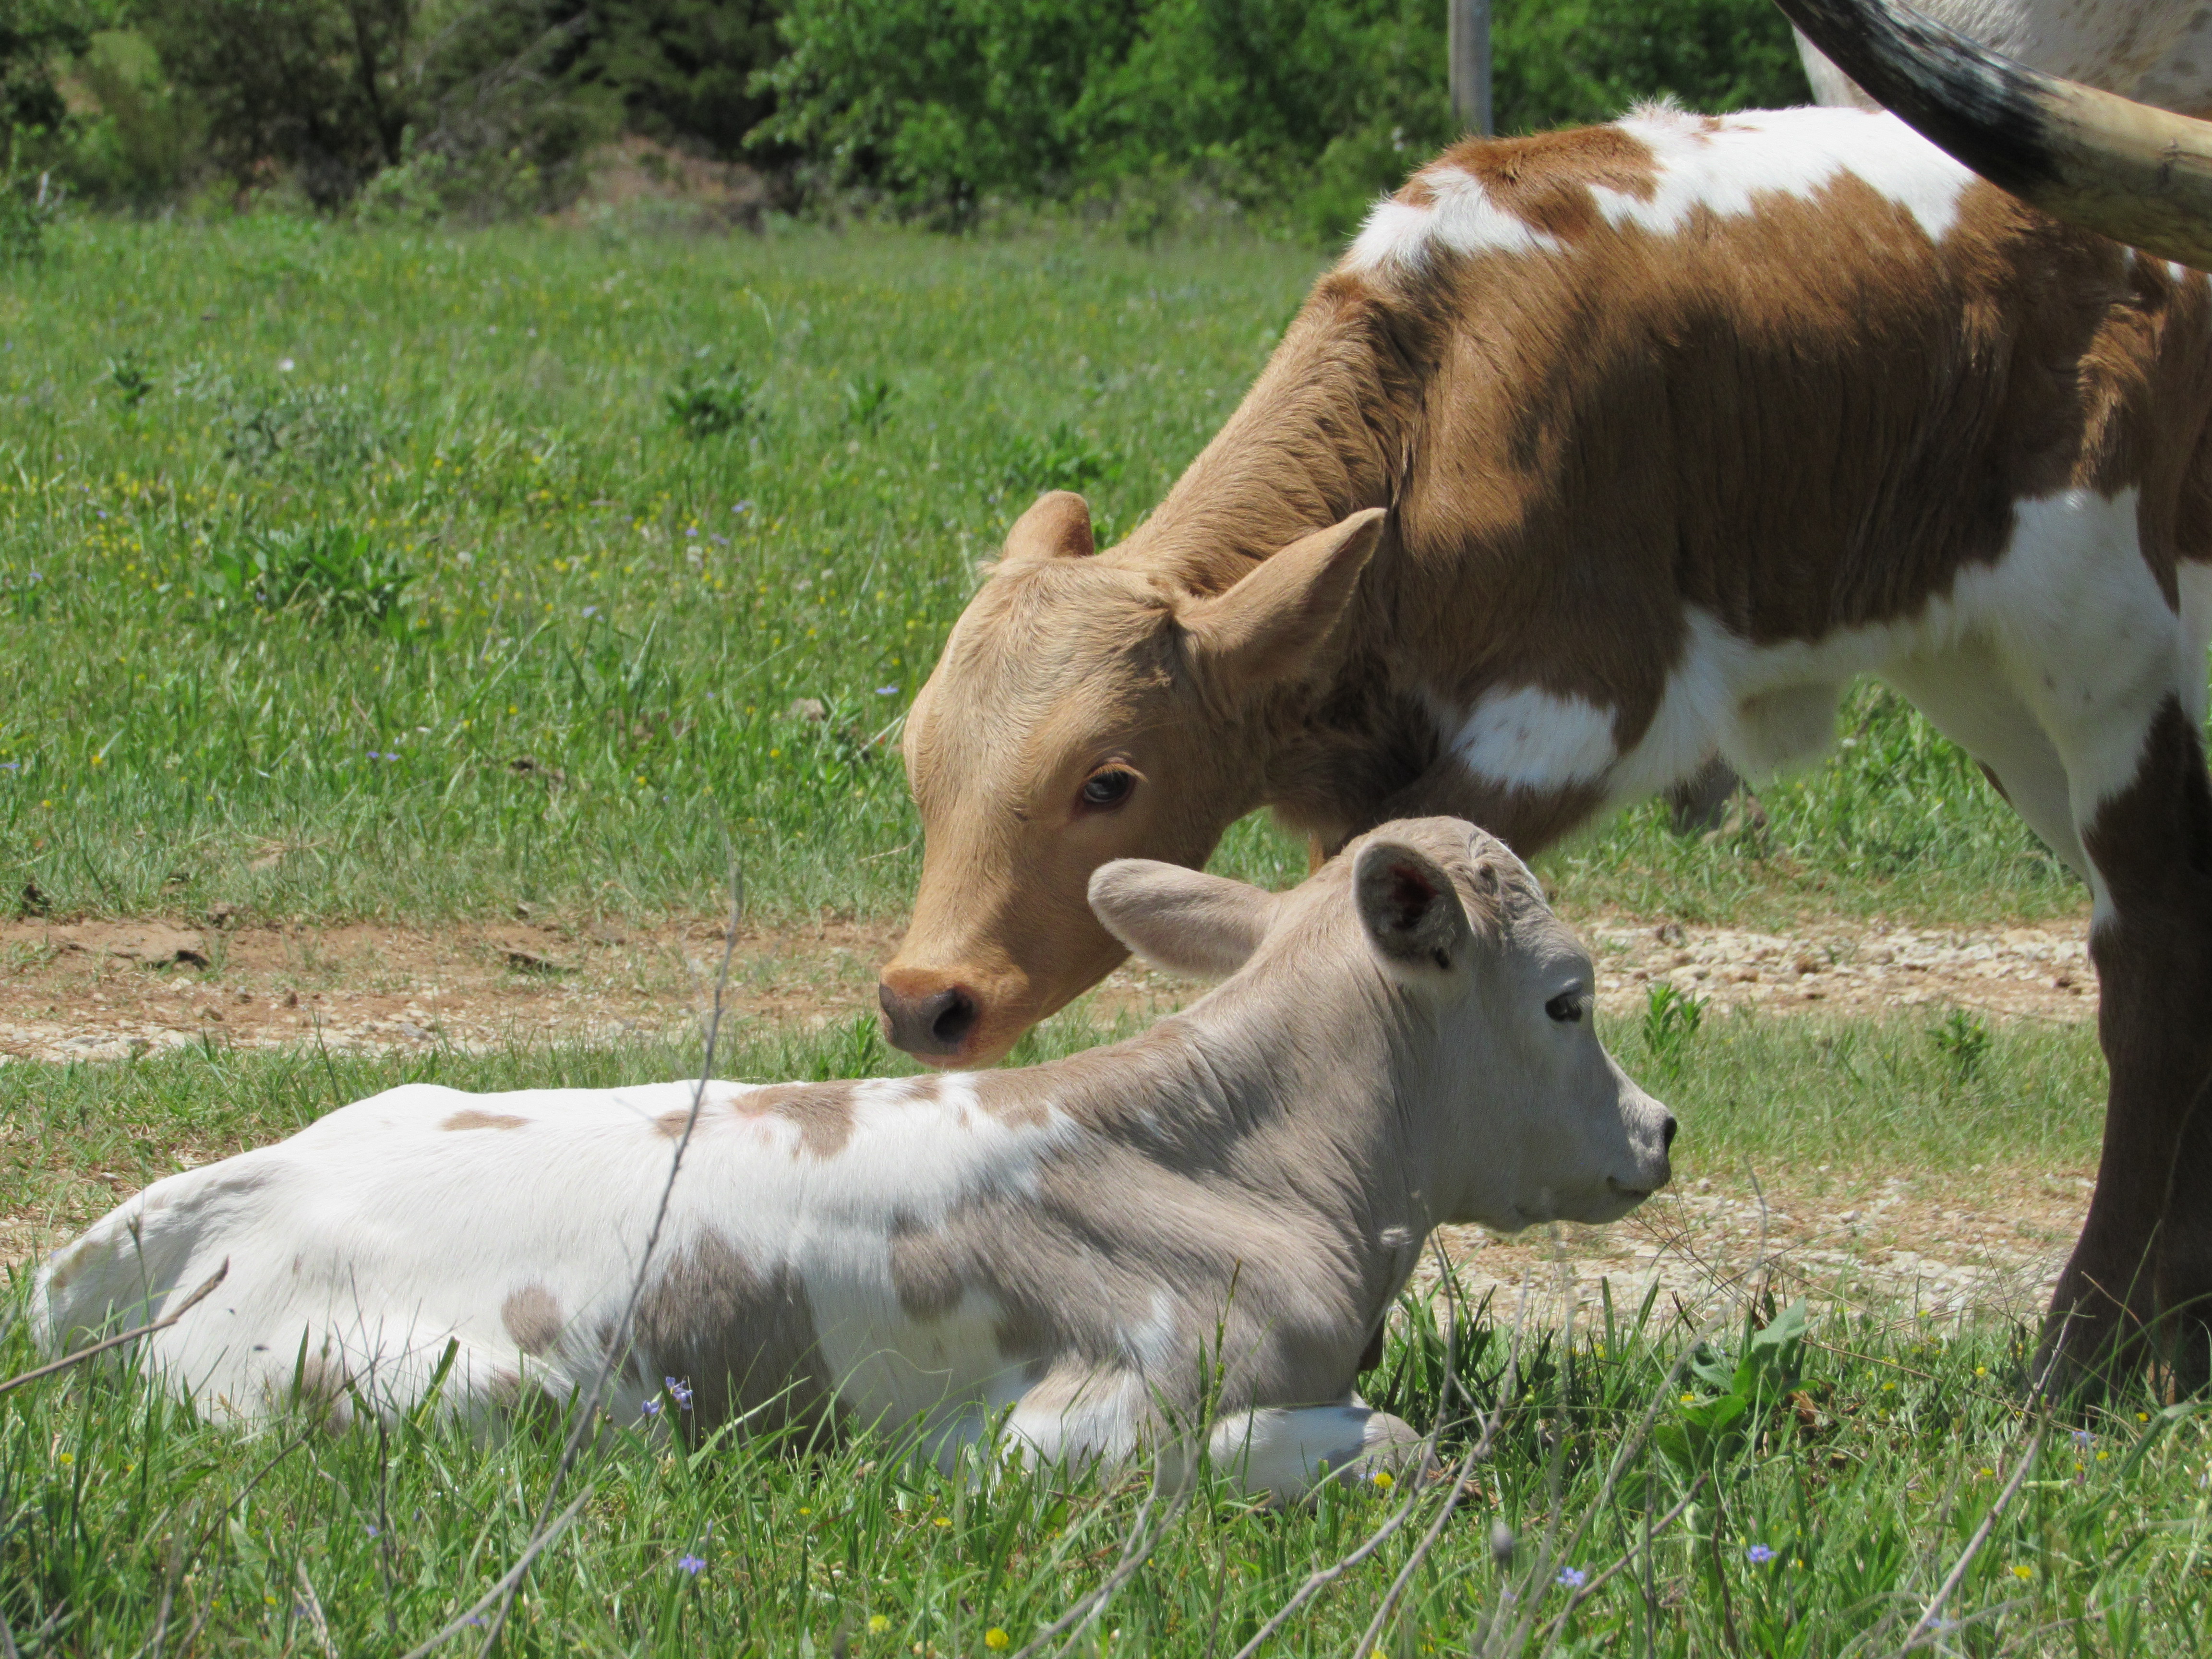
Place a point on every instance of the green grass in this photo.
(107, 1494)
(500, 591)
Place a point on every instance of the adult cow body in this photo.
(1599, 454)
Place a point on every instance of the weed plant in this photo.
(613, 505)
(1709, 1480)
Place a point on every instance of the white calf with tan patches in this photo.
(1603, 455)
(1070, 1249)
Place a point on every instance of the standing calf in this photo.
(1404, 1039)
(1599, 454)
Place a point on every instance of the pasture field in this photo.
(370, 572)
(432, 577)
(1822, 1523)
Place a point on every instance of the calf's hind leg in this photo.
(2150, 844)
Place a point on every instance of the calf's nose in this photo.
(1666, 1133)
(933, 1024)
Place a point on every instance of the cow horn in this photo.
(2138, 174)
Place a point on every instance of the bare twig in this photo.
(1925, 1629)
(1598, 1582)
(506, 1587)
(314, 1610)
(1321, 1577)
(1475, 1453)
(618, 1341)
(132, 1335)
(1143, 1540)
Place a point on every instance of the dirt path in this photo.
(102, 991)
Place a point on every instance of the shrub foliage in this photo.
(931, 109)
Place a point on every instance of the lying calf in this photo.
(1404, 1039)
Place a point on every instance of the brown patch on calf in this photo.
(532, 1318)
(471, 1118)
(822, 1112)
(1545, 181)
(741, 1338)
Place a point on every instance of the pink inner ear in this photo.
(1411, 895)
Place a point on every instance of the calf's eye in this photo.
(1103, 791)
(1566, 1007)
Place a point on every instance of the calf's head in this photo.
(1083, 711)
(1511, 1107)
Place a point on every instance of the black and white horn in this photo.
(2129, 171)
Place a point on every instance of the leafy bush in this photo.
(1063, 458)
(1302, 114)
(341, 577)
(262, 423)
(703, 405)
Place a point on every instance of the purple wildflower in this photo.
(693, 532)
(887, 691)
(1758, 1555)
(2084, 1439)
(715, 536)
(652, 1408)
(691, 1564)
(679, 1392)
(591, 610)
(1572, 1577)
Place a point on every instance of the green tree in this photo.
(682, 72)
(317, 87)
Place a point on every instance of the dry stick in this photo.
(1321, 1577)
(1633, 1443)
(117, 1340)
(506, 1586)
(1134, 1554)
(1476, 1453)
(175, 1570)
(1390, 1598)
(618, 1341)
(1925, 1628)
(315, 1620)
(1559, 1619)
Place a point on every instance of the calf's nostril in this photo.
(954, 1019)
(936, 1024)
(1667, 1134)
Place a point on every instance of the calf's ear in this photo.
(1411, 911)
(1265, 625)
(1183, 920)
(1056, 526)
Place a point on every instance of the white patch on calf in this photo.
(1461, 218)
(1533, 738)
(1727, 168)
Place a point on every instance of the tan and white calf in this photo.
(1599, 453)
(1404, 1039)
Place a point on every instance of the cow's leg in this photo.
(2078, 709)
(2150, 843)
(2183, 1277)
(1285, 1451)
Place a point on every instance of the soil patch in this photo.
(1938, 1249)
(98, 990)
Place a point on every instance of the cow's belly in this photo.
(2069, 619)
